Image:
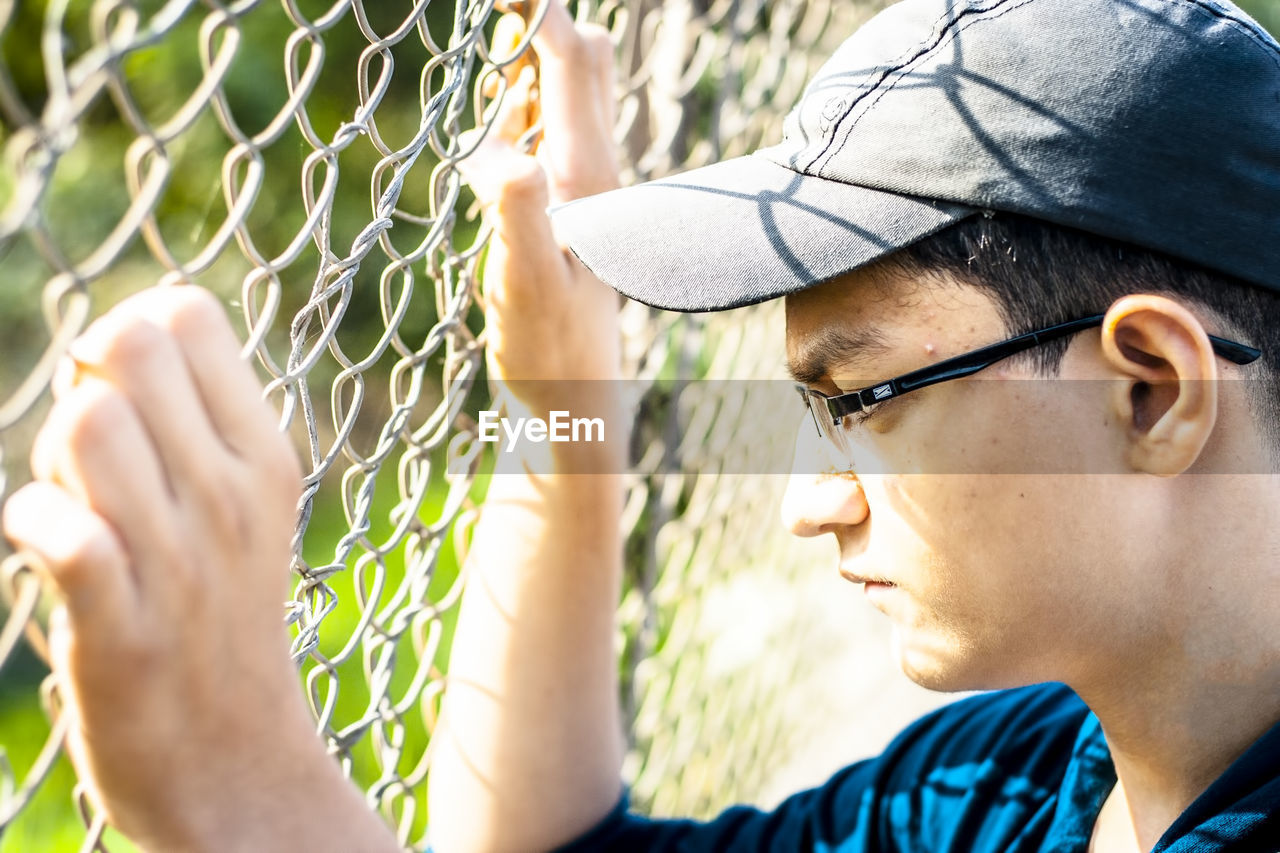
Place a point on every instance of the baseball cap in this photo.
(1153, 122)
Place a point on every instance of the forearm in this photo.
(529, 751)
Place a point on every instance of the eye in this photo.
(869, 416)
(857, 419)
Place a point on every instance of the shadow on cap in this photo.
(1154, 122)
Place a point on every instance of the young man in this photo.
(960, 174)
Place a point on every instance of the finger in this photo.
(129, 350)
(508, 34)
(78, 551)
(225, 386)
(497, 162)
(556, 39)
(512, 119)
(95, 447)
(524, 257)
(135, 356)
(500, 130)
(578, 150)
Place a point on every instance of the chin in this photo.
(947, 665)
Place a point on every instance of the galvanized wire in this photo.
(381, 439)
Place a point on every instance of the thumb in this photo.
(513, 192)
(505, 121)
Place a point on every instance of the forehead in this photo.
(872, 318)
(859, 299)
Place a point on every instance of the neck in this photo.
(1179, 708)
(1169, 747)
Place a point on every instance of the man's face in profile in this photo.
(993, 571)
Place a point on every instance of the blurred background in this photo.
(298, 159)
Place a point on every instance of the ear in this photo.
(1168, 399)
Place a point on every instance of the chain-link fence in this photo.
(299, 159)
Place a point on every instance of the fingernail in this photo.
(85, 349)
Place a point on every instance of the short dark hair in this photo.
(1040, 274)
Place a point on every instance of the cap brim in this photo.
(740, 232)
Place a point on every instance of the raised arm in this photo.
(529, 751)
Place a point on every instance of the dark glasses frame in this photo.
(863, 400)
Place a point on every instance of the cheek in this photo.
(958, 535)
(1006, 427)
(990, 559)
(1009, 577)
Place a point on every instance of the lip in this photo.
(854, 577)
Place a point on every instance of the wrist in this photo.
(273, 804)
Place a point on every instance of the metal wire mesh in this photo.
(299, 158)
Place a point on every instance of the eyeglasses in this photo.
(829, 413)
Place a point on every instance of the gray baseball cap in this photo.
(1154, 122)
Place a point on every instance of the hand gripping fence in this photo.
(300, 160)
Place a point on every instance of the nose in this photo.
(820, 497)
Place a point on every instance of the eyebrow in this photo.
(817, 354)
